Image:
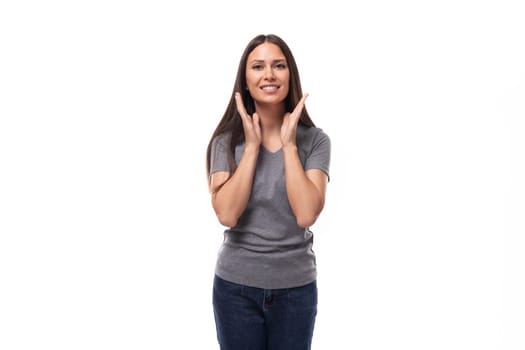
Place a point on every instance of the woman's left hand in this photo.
(290, 121)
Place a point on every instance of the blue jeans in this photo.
(249, 318)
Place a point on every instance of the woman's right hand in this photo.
(230, 194)
(252, 128)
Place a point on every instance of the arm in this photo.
(306, 190)
(230, 194)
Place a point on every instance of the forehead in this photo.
(266, 51)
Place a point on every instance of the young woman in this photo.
(267, 167)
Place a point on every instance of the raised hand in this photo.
(252, 128)
(289, 126)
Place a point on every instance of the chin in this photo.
(270, 99)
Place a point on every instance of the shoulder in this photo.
(310, 136)
(221, 140)
(222, 137)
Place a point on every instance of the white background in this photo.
(107, 236)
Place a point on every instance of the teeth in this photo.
(272, 87)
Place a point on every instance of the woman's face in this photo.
(267, 74)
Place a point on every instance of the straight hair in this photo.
(231, 122)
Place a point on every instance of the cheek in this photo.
(251, 79)
(287, 87)
(286, 78)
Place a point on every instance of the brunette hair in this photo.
(231, 121)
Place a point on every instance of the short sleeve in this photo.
(220, 148)
(319, 156)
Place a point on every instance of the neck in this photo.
(271, 116)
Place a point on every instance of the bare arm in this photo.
(230, 194)
(305, 189)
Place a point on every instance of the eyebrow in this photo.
(274, 61)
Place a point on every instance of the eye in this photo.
(257, 67)
(280, 66)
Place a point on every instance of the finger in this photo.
(256, 125)
(255, 119)
(296, 114)
(306, 94)
(240, 105)
(300, 105)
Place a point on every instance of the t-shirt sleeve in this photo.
(319, 157)
(220, 147)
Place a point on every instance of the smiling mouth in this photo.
(269, 87)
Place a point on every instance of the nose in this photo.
(268, 73)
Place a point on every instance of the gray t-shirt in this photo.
(266, 248)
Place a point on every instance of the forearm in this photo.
(306, 200)
(230, 200)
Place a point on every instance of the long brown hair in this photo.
(231, 121)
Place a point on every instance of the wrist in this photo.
(290, 148)
(251, 148)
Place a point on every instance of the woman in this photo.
(267, 167)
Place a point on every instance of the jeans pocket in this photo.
(303, 299)
(225, 289)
